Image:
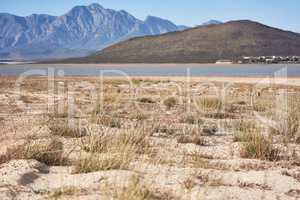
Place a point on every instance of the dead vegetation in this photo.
(164, 140)
(170, 102)
(48, 151)
(259, 147)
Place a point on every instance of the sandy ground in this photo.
(184, 153)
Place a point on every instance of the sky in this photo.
(283, 14)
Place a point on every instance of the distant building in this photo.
(224, 62)
(270, 59)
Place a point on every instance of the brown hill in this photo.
(230, 40)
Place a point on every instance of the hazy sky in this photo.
(279, 13)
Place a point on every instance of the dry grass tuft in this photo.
(114, 151)
(209, 104)
(63, 129)
(241, 136)
(243, 130)
(12, 153)
(191, 119)
(259, 147)
(101, 163)
(170, 102)
(134, 139)
(134, 191)
(162, 128)
(65, 191)
(45, 151)
(288, 125)
(189, 183)
(191, 139)
(109, 121)
(49, 152)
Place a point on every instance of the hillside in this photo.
(209, 43)
(82, 30)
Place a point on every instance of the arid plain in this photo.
(149, 138)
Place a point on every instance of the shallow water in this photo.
(154, 70)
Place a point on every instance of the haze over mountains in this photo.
(84, 29)
(202, 44)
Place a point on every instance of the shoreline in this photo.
(139, 64)
(292, 81)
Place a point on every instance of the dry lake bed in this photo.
(149, 138)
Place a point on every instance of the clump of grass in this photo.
(244, 126)
(59, 114)
(15, 152)
(288, 126)
(191, 119)
(101, 163)
(119, 149)
(109, 121)
(97, 143)
(191, 139)
(140, 116)
(63, 129)
(137, 81)
(164, 129)
(259, 147)
(260, 106)
(288, 121)
(48, 152)
(170, 102)
(210, 104)
(189, 183)
(135, 140)
(134, 191)
(65, 191)
(196, 160)
(241, 136)
(243, 130)
(207, 180)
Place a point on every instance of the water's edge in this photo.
(153, 70)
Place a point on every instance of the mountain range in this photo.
(82, 30)
(202, 44)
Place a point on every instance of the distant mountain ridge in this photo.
(82, 30)
(202, 44)
(212, 22)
